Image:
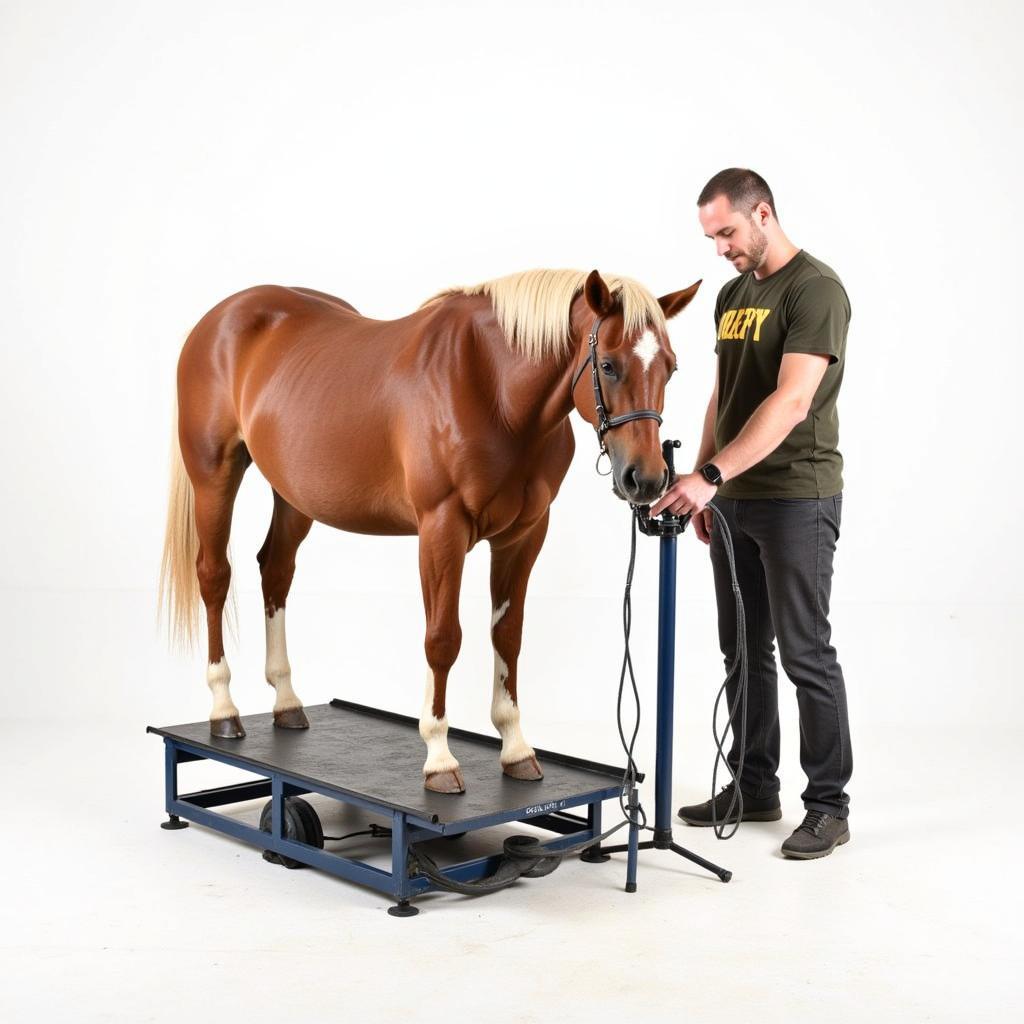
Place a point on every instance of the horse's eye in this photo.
(607, 367)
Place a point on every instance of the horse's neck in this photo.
(535, 397)
(531, 397)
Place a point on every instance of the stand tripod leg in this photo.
(634, 836)
(723, 873)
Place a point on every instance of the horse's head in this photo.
(633, 363)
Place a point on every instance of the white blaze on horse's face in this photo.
(646, 349)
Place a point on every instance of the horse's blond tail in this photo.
(179, 585)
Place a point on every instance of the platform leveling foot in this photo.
(403, 909)
(173, 822)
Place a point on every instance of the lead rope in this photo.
(629, 778)
(738, 669)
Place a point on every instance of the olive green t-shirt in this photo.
(802, 307)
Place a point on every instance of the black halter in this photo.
(604, 421)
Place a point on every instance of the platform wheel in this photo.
(301, 823)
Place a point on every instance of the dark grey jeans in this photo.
(784, 549)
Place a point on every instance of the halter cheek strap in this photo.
(604, 421)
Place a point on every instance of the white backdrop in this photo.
(157, 158)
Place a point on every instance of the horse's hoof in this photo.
(291, 718)
(445, 782)
(528, 769)
(227, 728)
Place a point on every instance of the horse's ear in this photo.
(676, 302)
(596, 292)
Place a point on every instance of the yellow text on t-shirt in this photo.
(736, 323)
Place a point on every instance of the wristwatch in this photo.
(712, 474)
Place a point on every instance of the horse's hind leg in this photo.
(216, 481)
(510, 572)
(288, 529)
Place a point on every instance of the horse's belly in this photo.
(351, 487)
(377, 514)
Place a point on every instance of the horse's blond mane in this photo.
(533, 306)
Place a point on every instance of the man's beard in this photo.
(758, 246)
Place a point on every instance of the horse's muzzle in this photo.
(633, 486)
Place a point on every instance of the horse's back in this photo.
(237, 334)
(247, 313)
(302, 379)
(332, 300)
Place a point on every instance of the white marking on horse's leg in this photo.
(646, 349)
(498, 613)
(505, 716)
(279, 670)
(218, 678)
(435, 734)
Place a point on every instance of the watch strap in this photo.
(712, 474)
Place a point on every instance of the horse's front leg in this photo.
(444, 541)
(510, 572)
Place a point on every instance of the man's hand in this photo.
(702, 523)
(690, 493)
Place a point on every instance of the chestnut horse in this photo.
(451, 423)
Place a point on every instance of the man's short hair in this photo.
(743, 188)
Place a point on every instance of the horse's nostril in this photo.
(631, 478)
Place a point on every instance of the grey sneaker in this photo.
(817, 836)
(766, 809)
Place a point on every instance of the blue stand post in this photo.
(666, 690)
(667, 529)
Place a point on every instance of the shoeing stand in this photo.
(667, 529)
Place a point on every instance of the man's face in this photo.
(737, 236)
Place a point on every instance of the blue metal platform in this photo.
(372, 759)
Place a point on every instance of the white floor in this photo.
(109, 918)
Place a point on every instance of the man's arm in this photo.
(771, 422)
(800, 374)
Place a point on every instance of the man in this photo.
(769, 457)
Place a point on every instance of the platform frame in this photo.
(408, 826)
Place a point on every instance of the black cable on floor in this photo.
(375, 830)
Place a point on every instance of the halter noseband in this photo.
(604, 421)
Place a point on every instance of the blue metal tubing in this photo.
(301, 785)
(666, 684)
(406, 828)
(435, 828)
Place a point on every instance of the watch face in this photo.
(711, 474)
